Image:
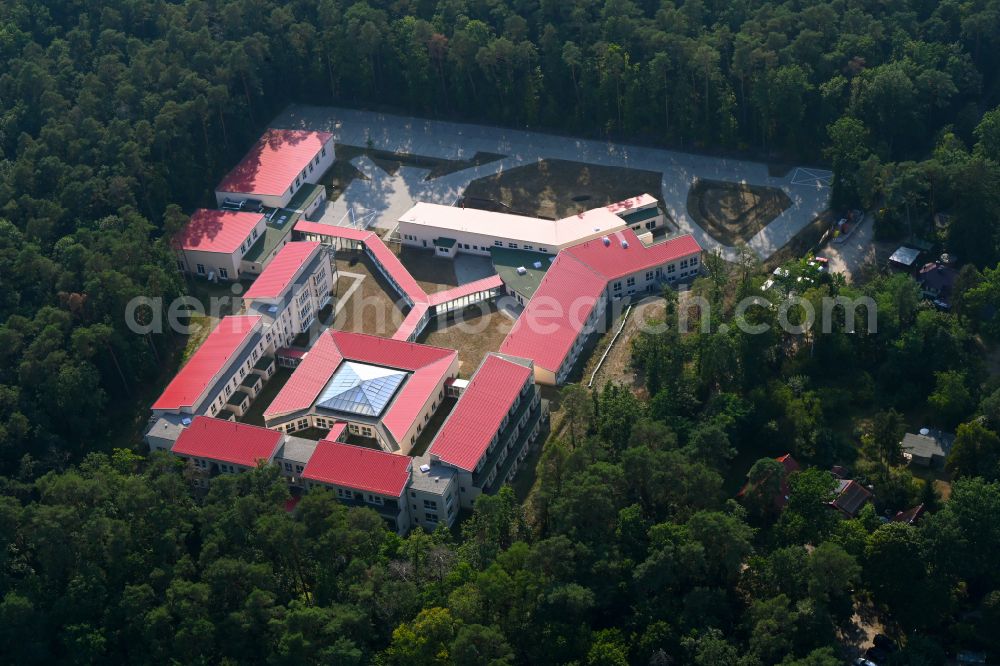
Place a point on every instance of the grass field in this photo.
(371, 308)
(734, 212)
(473, 337)
(431, 272)
(554, 189)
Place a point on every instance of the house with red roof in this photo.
(492, 427)
(290, 292)
(226, 372)
(780, 498)
(363, 477)
(213, 242)
(384, 390)
(281, 163)
(216, 446)
(571, 301)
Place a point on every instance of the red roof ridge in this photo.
(282, 269)
(358, 467)
(225, 441)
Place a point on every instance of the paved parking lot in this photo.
(384, 197)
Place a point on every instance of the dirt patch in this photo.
(734, 212)
(431, 272)
(617, 366)
(373, 307)
(474, 335)
(553, 189)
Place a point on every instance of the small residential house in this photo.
(781, 497)
(937, 281)
(928, 447)
(850, 497)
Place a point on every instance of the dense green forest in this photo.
(117, 116)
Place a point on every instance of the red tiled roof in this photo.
(216, 230)
(390, 262)
(428, 365)
(271, 165)
(227, 442)
(308, 380)
(204, 366)
(613, 261)
(418, 390)
(358, 468)
(280, 273)
(465, 436)
(467, 289)
(409, 324)
(336, 431)
(549, 325)
(386, 352)
(567, 294)
(383, 255)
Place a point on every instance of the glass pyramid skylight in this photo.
(361, 389)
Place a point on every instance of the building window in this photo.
(310, 168)
(651, 225)
(529, 247)
(180, 265)
(254, 233)
(201, 269)
(323, 152)
(430, 504)
(684, 263)
(694, 261)
(475, 247)
(344, 494)
(376, 500)
(630, 282)
(618, 286)
(288, 467)
(512, 245)
(542, 249)
(431, 517)
(671, 268)
(223, 273)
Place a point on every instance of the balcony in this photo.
(520, 422)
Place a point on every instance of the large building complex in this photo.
(388, 423)
(449, 230)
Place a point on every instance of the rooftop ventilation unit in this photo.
(521, 270)
(624, 244)
(425, 468)
(606, 241)
(185, 421)
(537, 264)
